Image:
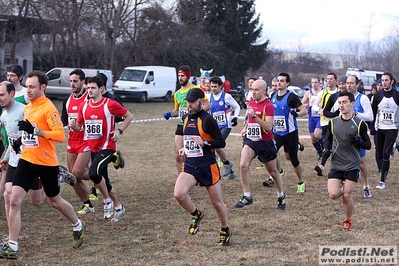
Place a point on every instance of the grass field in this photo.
(154, 230)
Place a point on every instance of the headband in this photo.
(186, 73)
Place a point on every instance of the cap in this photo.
(342, 79)
(379, 81)
(194, 94)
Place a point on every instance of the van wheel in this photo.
(168, 97)
(143, 97)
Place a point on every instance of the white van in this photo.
(58, 80)
(367, 76)
(146, 82)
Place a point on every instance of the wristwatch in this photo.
(254, 116)
(36, 131)
(120, 131)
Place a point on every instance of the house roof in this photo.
(33, 25)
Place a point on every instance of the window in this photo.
(55, 74)
(337, 64)
(132, 75)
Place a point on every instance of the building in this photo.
(16, 46)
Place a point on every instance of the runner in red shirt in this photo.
(97, 116)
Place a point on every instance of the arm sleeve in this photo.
(365, 143)
(56, 131)
(211, 127)
(367, 115)
(329, 106)
(328, 137)
(64, 114)
(233, 104)
(294, 101)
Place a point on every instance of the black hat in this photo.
(194, 94)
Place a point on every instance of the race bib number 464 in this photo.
(191, 148)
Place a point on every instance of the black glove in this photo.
(16, 145)
(25, 126)
(294, 113)
(354, 140)
(234, 121)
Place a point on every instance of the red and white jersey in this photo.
(99, 121)
(72, 106)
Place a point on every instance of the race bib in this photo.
(387, 117)
(220, 117)
(183, 111)
(94, 129)
(11, 138)
(192, 149)
(29, 140)
(254, 132)
(315, 111)
(279, 123)
(71, 117)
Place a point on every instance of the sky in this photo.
(313, 25)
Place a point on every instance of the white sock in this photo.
(247, 194)
(280, 194)
(13, 245)
(78, 226)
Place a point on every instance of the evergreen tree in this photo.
(234, 27)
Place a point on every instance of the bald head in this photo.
(260, 83)
(259, 90)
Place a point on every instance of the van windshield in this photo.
(132, 75)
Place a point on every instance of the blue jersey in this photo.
(220, 111)
(284, 122)
(357, 107)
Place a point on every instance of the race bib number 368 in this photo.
(94, 129)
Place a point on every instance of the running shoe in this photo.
(195, 222)
(231, 176)
(381, 185)
(301, 188)
(119, 162)
(78, 236)
(262, 166)
(93, 194)
(244, 201)
(118, 214)
(319, 169)
(85, 209)
(225, 238)
(300, 146)
(281, 202)
(282, 173)
(227, 169)
(348, 225)
(64, 176)
(269, 182)
(8, 253)
(393, 152)
(5, 240)
(367, 192)
(108, 210)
